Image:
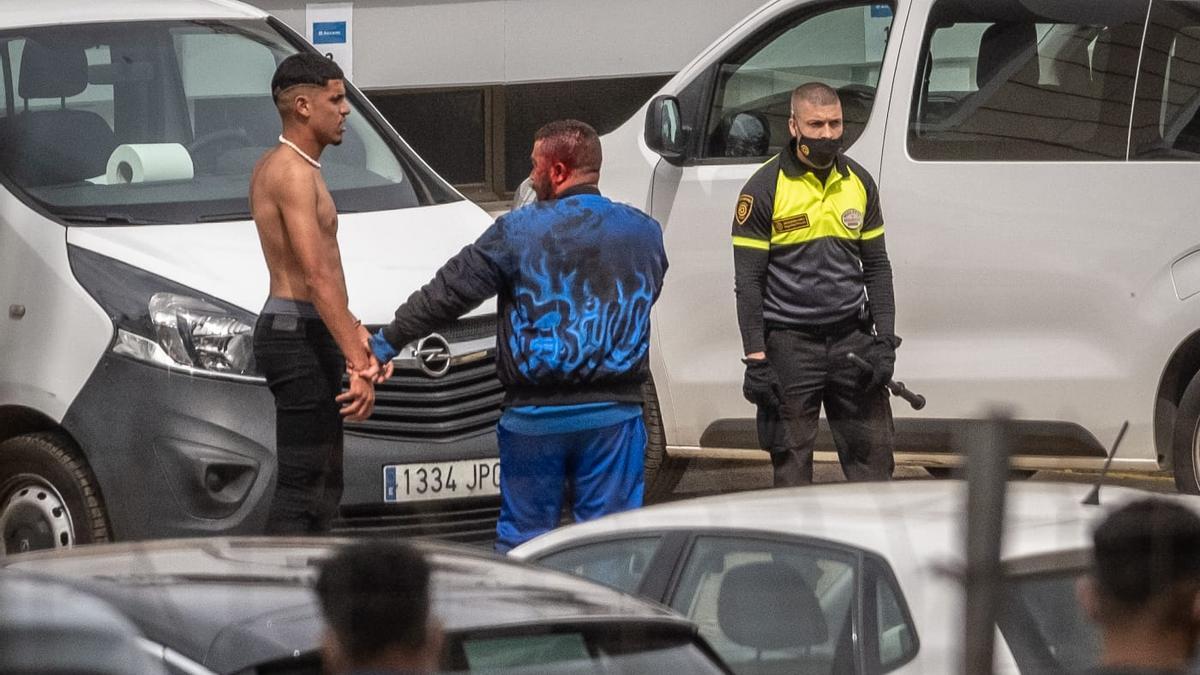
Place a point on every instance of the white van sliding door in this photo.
(1015, 223)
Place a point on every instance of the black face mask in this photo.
(820, 151)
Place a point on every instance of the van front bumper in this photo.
(182, 455)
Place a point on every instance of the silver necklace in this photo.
(303, 154)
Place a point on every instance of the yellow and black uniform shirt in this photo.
(799, 242)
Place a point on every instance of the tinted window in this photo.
(194, 96)
(601, 648)
(1166, 124)
(1005, 84)
(771, 606)
(842, 48)
(620, 564)
(1045, 626)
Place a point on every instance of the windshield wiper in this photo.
(113, 218)
(219, 217)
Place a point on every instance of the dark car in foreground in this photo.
(246, 605)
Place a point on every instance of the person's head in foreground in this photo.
(1144, 589)
(375, 599)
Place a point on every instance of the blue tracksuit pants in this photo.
(603, 467)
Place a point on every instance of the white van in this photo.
(1038, 164)
(130, 276)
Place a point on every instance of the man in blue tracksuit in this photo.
(575, 276)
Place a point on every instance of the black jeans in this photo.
(303, 367)
(814, 371)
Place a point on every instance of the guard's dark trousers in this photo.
(814, 371)
(303, 367)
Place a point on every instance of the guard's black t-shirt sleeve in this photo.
(752, 252)
(877, 276)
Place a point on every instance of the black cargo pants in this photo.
(814, 371)
(304, 368)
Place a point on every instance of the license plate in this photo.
(441, 480)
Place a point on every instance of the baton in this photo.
(914, 399)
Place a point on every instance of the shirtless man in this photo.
(305, 336)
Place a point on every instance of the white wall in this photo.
(415, 43)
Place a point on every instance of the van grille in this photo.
(411, 406)
(470, 521)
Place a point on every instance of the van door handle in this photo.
(16, 312)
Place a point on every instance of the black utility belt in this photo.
(833, 329)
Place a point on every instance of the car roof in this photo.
(46, 626)
(22, 14)
(230, 603)
(918, 521)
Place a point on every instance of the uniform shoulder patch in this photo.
(745, 204)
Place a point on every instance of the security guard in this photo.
(808, 253)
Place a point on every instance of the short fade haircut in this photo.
(576, 144)
(1146, 551)
(375, 596)
(304, 68)
(814, 93)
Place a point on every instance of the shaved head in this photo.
(815, 94)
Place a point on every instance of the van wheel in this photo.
(662, 472)
(1185, 441)
(48, 495)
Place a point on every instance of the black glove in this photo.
(761, 385)
(882, 357)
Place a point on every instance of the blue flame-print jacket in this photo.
(575, 278)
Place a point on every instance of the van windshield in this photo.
(163, 122)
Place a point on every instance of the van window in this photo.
(842, 47)
(1000, 82)
(192, 99)
(1166, 120)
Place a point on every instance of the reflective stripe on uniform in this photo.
(747, 242)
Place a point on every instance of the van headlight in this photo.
(162, 322)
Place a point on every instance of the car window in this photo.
(842, 47)
(620, 563)
(771, 607)
(164, 121)
(1035, 87)
(1045, 627)
(1166, 122)
(602, 647)
(895, 635)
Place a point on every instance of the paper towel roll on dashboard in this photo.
(149, 163)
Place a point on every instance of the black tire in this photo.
(1185, 441)
(662, 472)
(48, 495)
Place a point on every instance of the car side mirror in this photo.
(664, 128)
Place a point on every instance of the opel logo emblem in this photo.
(433, 355)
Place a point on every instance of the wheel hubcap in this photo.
(34, 516)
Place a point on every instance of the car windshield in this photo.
(1044, 625)
(163, 122)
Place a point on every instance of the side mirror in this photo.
(664, 128)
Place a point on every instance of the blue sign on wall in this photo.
(879, 11)
(329, 32)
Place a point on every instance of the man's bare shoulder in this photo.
(282, 174)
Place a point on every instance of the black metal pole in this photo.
(988, 450)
